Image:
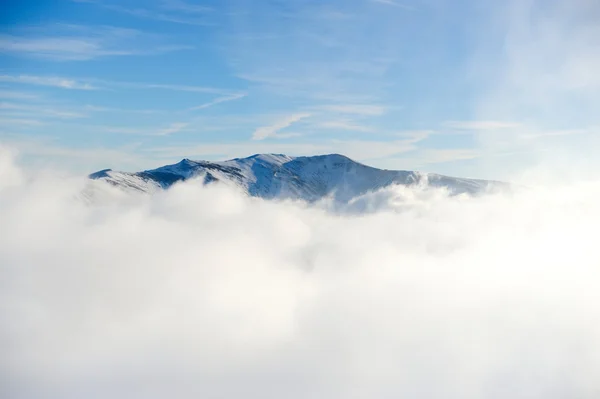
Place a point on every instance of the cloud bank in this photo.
(201, 292)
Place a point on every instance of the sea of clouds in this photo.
(200, 292)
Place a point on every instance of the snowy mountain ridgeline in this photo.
(278, 176)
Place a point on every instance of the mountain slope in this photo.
(280, 176)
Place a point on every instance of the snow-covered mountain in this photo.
(280, 176)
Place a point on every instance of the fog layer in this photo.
(203, 293)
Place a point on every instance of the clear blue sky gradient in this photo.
(462, 87)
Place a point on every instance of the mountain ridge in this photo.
(280, 176)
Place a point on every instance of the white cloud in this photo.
(219, 100)
(320, 52)
(46, 153)
(393, 3)
(174, 11)
(344, 124)
(81, 43)
(139, 157)
(356, 109)
(20, 121)
(415, 133)
(178, 5)
(10, 173)
(481, 125)
(59, 48)
(270, 131)
(201, 292)
(18, 95)
(53, 81)
(161, 86)
(96, 84)
(95, 108)
(561, 132)
(287, 135)
(544, 72)
(360, 150)
(172, 128)
(125, 130)
(437, 155)
(40, 111)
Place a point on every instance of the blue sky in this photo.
(461, 87)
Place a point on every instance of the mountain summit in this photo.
(280, 176)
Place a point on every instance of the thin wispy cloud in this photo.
(19, 122)
(430, 159)
(560, 132)
(178, 5)
(95, 108)
(530, 71)
(415, 133)
(220, 100)
(189, 88)
(545, 74)
(81, 43)
(272, 130)
(393, 4)
(167, 130)
(172, 11)
(172, 128)
(320, 82)
(436, 155)
(51, 81)
(97, 84)
(360, 150)
(347, 67)
(346, 125)
(480, 125)
(356, 109)
(415, 136)
(18, 95)
(39, 111)
(44, 151)
(287, 135)
(124, 130)
(57, 48)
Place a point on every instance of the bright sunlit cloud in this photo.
(202, 292)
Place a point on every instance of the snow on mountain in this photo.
(280, 176)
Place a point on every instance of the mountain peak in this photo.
(100, 174)
(266, 158)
